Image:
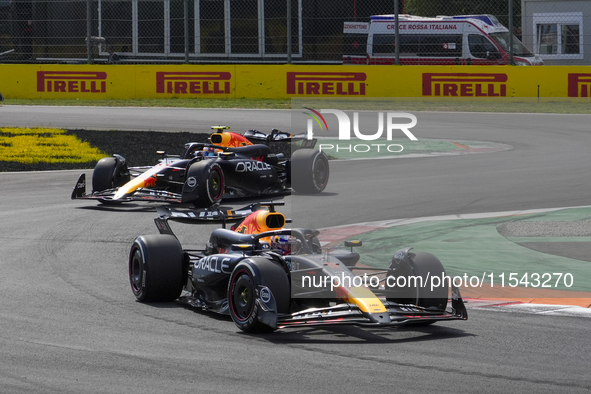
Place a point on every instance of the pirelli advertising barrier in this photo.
(284, 82)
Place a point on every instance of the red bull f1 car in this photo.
(232, 165)
(267, 277)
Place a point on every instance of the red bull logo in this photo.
(261, 221)
(465, 84)
(229, 139)
(72, 81)
(150, 181)
(193, 82)
(579, 85)
(252, 224)
(326, 83)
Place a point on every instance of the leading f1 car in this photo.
(266, 277)
(231, 166)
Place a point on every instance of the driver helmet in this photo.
(286, 244)
(209, 151)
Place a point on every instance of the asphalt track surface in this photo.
(69, 323)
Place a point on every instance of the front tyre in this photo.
(427, 266)
(415, 285)
(156, 268)
(309, 171)
(109, 173)
(246, 305)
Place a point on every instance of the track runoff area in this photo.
(499, 259)
(535, 260)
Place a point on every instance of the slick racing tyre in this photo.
(156, 268)
(309, 171)
(109, 172)
(427, 265)
(423, 266)
(248, 290)
(204, 184)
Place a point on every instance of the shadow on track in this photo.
(353, 334)
(329, 334)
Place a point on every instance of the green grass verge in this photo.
(514, 105)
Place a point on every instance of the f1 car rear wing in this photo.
(226, 138)
(214, 214)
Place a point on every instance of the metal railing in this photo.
(281, 31)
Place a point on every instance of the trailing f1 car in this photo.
(266, 277)
(230, 166)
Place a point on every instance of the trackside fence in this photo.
(262, 31)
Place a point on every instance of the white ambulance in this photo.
(441, 40)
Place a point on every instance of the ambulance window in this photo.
(440, 45)
(383, 43)
(409, 44)
(354, 44)
(480, 45)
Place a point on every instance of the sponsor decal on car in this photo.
(265, 294)
(215, 264)
(192, 182)
(250, 166)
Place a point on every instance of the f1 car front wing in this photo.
(106, 196)
(397, 315)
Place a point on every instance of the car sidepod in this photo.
(249, 177)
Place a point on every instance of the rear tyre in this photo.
(309, 171)
(109, 173)
(156, 268)
(204, 185)
(243, 293)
